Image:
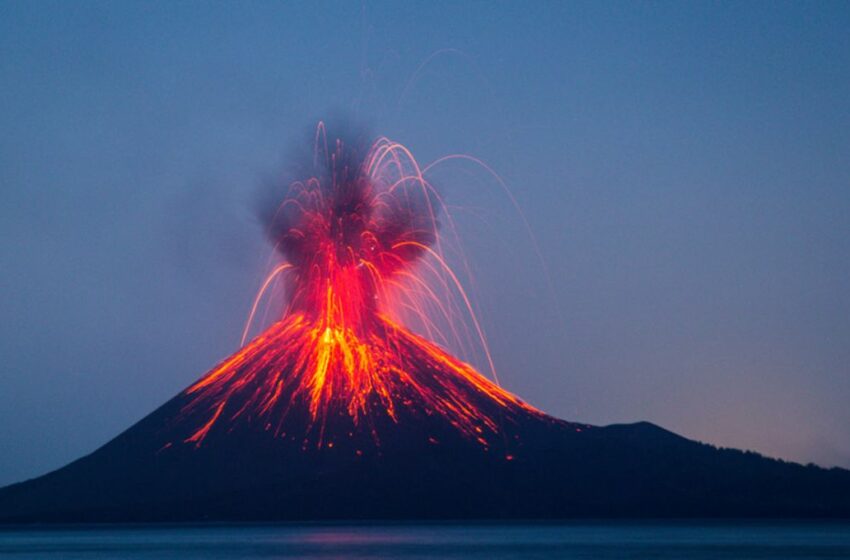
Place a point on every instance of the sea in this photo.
(740, 540)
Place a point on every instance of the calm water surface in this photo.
(574, 540)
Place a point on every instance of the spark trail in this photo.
(363, 256)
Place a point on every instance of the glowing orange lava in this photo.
(363, 256)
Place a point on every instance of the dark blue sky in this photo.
(685, 166)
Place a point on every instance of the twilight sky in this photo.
(685, 168)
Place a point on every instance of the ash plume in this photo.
(355, 201)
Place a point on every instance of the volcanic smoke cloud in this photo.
(351, 232)
(365, 212)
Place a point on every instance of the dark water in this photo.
(656, 540)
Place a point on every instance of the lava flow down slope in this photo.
(350, 406)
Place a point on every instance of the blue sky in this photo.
(684, 167)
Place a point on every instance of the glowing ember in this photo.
(362, 255)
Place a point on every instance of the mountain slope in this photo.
(422, 468)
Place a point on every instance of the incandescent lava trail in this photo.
(362, 256)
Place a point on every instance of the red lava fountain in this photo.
(361, 255)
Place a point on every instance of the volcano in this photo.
(346, 408)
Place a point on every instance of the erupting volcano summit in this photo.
(339, 363)
(349, 406)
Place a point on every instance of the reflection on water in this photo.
(574, 540)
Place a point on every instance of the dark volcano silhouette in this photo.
(415, 465)
(339, 412)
